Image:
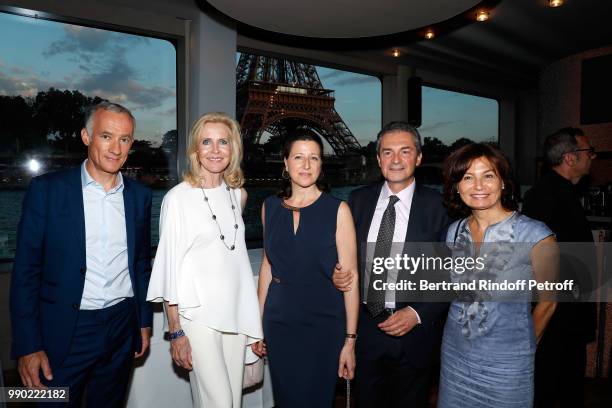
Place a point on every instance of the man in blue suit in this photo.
(82, 266)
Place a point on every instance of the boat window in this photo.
(276, 96)
(450, 120)
(49, 73)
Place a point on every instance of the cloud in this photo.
(347, 101)
(333, 74)
(169, 112)
(99, 68)
(18, 70)
(86, 42)
(82, 41)
(437, 125)
(23, 83)
(339, 78)
(119, 82)
(357, 80)
(100, 57)
(364, 121)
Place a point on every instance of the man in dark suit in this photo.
(82, 267)
(398, 343)
(554, 200)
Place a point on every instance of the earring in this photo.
(285, 174)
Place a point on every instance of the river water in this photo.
(11, 200)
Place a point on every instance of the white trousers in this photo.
(218, 366)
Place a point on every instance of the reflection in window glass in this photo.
(47, 80)
(275, 96)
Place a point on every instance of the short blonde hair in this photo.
(233, 175)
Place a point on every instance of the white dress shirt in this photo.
(107, 281)
(402, 215)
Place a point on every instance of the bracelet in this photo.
(175, 335)
(351, 335)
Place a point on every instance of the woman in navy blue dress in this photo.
(309, 326)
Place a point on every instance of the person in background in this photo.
(398, 342)
(202, 270)
(310, 328)
(489, 342)
(82, 267)
(554, 200)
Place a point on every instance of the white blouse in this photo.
(193, 269)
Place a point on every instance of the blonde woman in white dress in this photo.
(202, 270)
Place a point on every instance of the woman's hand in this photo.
(259, 348)
(181, 352)
(346, 368)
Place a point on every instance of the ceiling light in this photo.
(482, 15)
(555, 3)
(396, 53)
(429, 34)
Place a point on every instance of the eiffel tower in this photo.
(277, 96)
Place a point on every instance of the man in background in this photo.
(82, 266)
(561, 353)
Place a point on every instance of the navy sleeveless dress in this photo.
(304, 316)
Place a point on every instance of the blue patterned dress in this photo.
(488, 347)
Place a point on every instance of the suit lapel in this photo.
(130, 228)
(368, 211)
(417, 216)
(77, 210)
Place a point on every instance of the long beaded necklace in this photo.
(233, 202)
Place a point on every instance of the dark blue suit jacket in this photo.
(428, 223)
(50, 265)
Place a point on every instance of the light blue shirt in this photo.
(107, 280)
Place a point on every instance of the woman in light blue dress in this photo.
(490, 336)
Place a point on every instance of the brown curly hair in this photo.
(459, 162)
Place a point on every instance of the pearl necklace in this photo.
(214, 217)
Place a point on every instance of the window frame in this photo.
(470, 93)
(177, 41)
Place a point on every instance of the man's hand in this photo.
(342, 279)
(400, 322)
(29, 367)
(145, 335)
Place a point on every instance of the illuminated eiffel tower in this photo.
(277, 96)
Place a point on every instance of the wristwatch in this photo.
(175, 335)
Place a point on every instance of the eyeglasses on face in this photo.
(590, 150)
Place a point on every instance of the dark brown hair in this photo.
(301, 135)
(459, 162)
